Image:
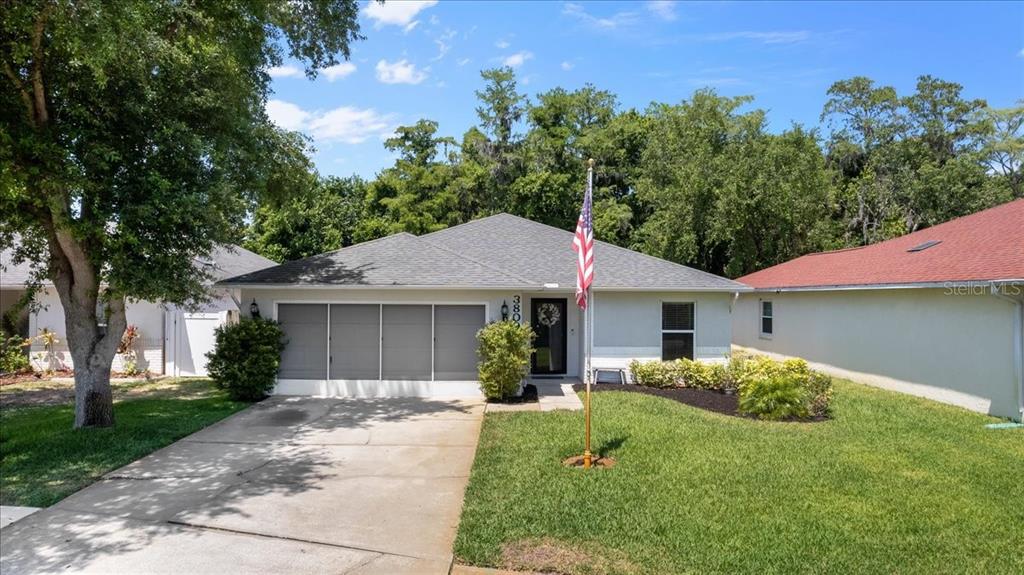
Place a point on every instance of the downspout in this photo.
(1018, 339)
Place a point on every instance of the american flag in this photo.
(583, 245)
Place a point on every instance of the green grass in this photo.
(43, 460)
(892, 484)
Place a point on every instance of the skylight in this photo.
(924, 246)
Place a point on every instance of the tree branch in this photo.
(26, 98)
(42, 115)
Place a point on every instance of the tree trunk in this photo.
(92, 346)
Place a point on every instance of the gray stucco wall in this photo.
(627, 325)
(952, 348)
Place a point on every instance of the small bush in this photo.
(819, 389)
(13, 358)
(702, 375)
(505, 348)
(246, 357)
(660, 374)
(779, 396)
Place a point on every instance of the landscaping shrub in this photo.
(660, 374)
(767, 388)
(778, 396)
(505, 348)
(246, 357)
(13, 358)
(702, 375)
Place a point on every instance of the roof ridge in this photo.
(467, 258)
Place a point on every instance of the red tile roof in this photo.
(985, 246)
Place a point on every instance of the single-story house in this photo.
(172, 340)
(398, 315)
(936, 313)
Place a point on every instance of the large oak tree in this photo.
(133, 138)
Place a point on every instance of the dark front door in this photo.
(548, 319)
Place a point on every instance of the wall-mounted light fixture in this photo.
(504, 311)
(254, 309)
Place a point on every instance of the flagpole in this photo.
(587, 335)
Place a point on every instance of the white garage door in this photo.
(191, 338)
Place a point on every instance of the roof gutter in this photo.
(1017, 299)
(972, 284)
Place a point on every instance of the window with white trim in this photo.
(767, 320)
(677, 330)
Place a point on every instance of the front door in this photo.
(548, 319)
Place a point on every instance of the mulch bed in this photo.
(710, 400)
(529, 396)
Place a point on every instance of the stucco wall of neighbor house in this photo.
(147, 316)
(957, 349)
(627, 326)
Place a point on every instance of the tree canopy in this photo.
(703, 181)
(133, 139)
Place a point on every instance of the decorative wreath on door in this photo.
(548, 314)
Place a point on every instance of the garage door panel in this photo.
(355, 341)
(406, 342)
(305, 328)
(455, 344)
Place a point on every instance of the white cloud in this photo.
(338, 71)
(1021, 53)
(410, 26)
(567, 65)
(444, 44)
(286, 115)
(501, 44)
(617, 20)
(284, 72)
(664, 9)
(346, 124)
(463, 61)
(770, 37)
(351, 125)
(395, 13)
(516, 60)
(400, 72)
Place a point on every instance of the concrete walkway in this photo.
(551, 395)
(296, 485)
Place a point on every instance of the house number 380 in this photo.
(517, 308)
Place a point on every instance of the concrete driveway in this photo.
(296, 485)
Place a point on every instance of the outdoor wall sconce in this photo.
(254, 310)
(504, 310)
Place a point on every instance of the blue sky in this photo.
(422, 60)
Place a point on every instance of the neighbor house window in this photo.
(677, 330)
(766, 318)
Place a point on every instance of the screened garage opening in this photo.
(389, 342)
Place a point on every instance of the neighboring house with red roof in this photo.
(937, 313)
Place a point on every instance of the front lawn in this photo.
(891, 484)
(43, 460)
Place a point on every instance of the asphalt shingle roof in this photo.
(496, 251)
(985, 246)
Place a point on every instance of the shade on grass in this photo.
(892, 484)
(43, 460)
